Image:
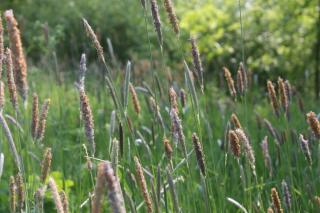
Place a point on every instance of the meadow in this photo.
(138, 136)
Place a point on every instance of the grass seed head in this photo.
(168, 5)
(273, 98)
(143, 185)
(35, 115)
(55, 195)
(199, 153)
(43, 119)
(234, 143)
(230, 82)
(13, 194)
(197, 61)
(156, 19)
(276, 200)
(19, 62)
(135, 100)
(86, 114)
(235, 121)
(314, 123)
(10, 79)
(46, 164)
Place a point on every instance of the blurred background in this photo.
(280, 38)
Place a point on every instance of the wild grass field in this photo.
(137, 136)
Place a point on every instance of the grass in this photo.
(228, 185)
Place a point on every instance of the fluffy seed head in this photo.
(173, 99)
(243, 76)
(168, 5)
(234, 143)
(10, 79)
(273, 98)
(1, 47)
(183, 98)
(13, 194)
(143, 185)
(55, 195)
(2, 95)
(287, 195)
(46, 164)
(235, 121)
(314, 123)
(276, 200)
(240, 82)
(248, 149)
(167, 148)
(20, 191)
(87, 117)
(43, 119)
(305, 149)
(197, 61)
(283, 95)
(114, 190)
(35, 115)
(82, 71)
(266, 155)
(19, 62)
(199, 153)
(64, 201)
(230, 82)
(156, 19)
(94, 39)
(135, 100)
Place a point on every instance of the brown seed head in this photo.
(143, 185)
(273, 98)
(43, 119)
(266, 155)
(20, 191)
(305, 149)
(234, 143)
(156, 19)
(235, 121)
(183, 98)
(35, 115)
(240, 82)
(64, 201)
(19, 62)
(46, 164)
(283, 95)
(13, 194)
(114, 190)
(173, 99)
(55, 195)
(314, 123)
(167, 148)
(135, 100)
(1, 47)
(230, 82)
(248, 149)
(197, 61)
(86, 114)
(199, 153)
(10, 79)
(94, 39)
(168, 5)
(276, 200)
(2, 95)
